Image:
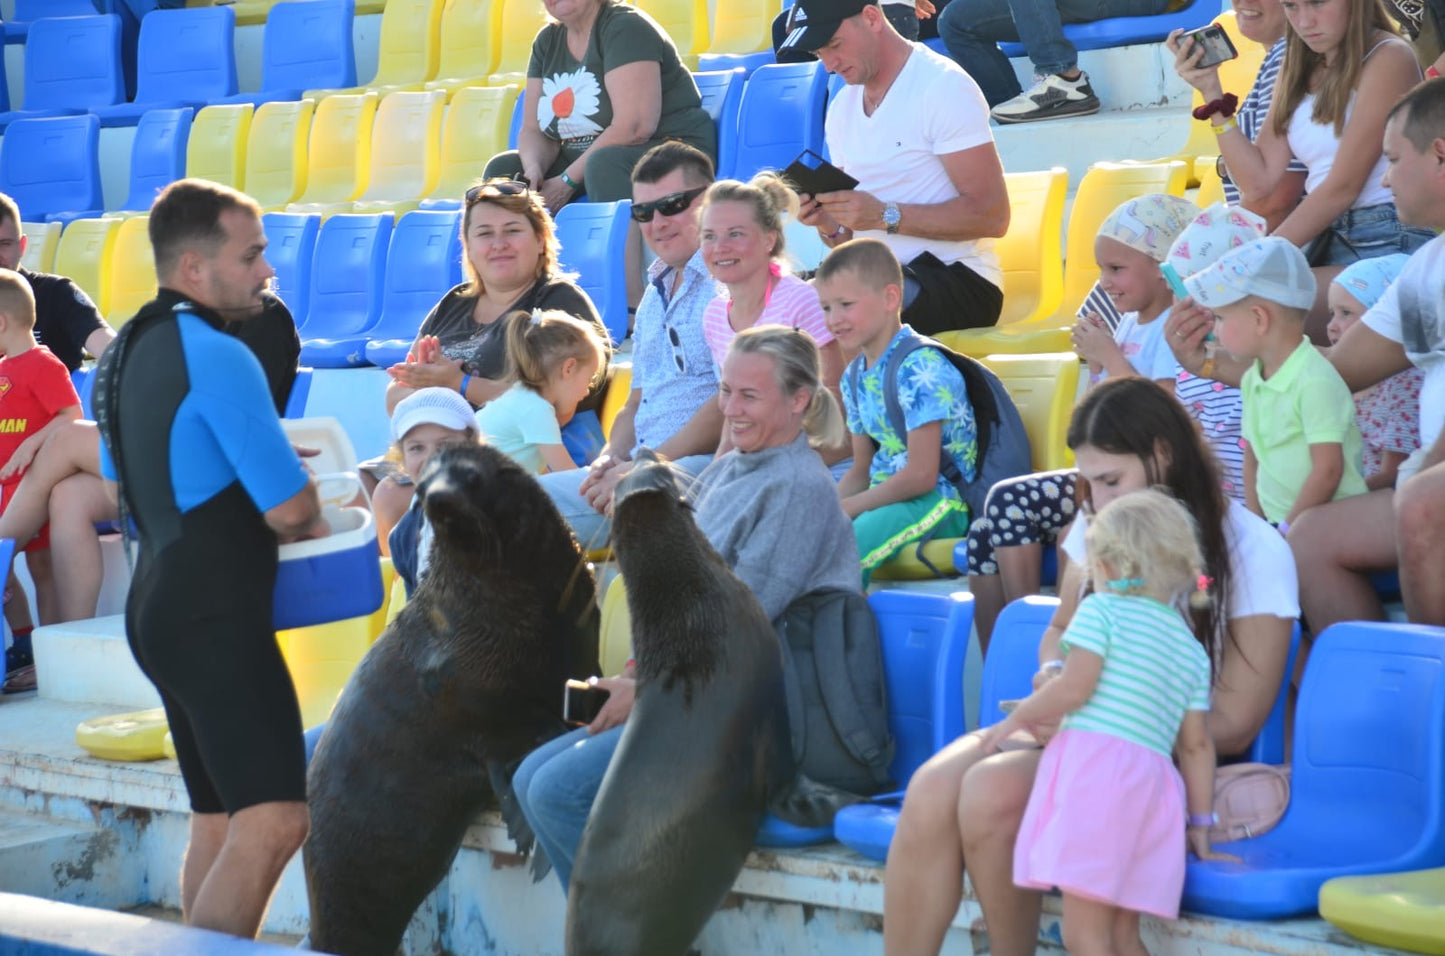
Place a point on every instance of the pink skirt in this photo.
(1105, 822)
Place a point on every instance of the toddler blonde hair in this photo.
(540, 341)
(1150, 544)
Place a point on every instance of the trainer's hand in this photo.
(622, 691)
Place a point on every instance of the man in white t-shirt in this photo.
(1338, 544)
(912, 128)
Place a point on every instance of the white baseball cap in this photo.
(1271, 268)
(431, 406)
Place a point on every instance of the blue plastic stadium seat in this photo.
(424, 246)
(300, 392)
(781, 115)
(925, 641)
(28, 12)
(157, 155)
(185, 58)
(83, 379)
(348, 270)
(1013, 654)
(291, 246)
(72, 64)
(1369, 771)
(1048, 569)
(1124, 31)
(592, 236)
(722, 96)
(306, 46)
(1268, 745)
(51, 167)
(747, 62)
(515, 130)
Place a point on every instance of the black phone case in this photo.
(824, 178)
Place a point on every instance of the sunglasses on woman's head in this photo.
(496, 187)
(669, 205)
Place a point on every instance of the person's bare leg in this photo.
(72, 448)
(988, 601)
(990, 808)
(76, 504)
(924, 879)
(1420, 523)
(1088, 927)
(260, 841)
(1127, 941)
(208, 834)
(1335, 545)
(17, 608)
(42, 575)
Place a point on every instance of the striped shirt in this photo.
(1154, 669)
(793, 303)
(1219, 410)
(1252, 111)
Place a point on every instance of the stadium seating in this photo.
(157, 155)
(419, 265)
(185, 58)
(251, 12)
(521, 21)
(291, 239)
(305, 46)
(1124, 31)
(27, 12)
(71, 65)
(592, 237)
(41, 239)
(405, 152)
(1211, 187)
(408, 51)
(346, 294)
(1013, 654)
(619, 389)
(338, 153)
(518, 109)
(471, 45)
(131, 277)
(722, 97)
(51, 167)
(1235, 76)
(1043, 388)
(742, 36)
(685, 21)
(216, 149)
(781, 115)
(276, 150)
(83, 254)
(474, 130)
(1031, 252)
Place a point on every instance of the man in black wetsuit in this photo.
(190, 433)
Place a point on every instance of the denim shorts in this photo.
(1365, 233)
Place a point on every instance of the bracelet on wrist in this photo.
(1207, 369)
(1222, 128)
(572, 184)
(462, 389)
(1203, 819)
(836, 233)
(1052, 667)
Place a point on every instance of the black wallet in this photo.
(812, 174)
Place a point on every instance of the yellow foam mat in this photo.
(129, 737)
(1403, 910)
(168, 744)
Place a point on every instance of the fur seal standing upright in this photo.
(706, 748)
(462, 685)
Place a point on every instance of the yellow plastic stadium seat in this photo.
(1235, 76)
(1103, 188)
(471, 35)
(1043, 387)
(83, 255)
(409, 49)
(1031, 339)
(405, 152)
(216, 149)
(743, 26)
(364, 7)
(619, 387)
(396, 600)
(1032, 252)
(474, 130)
(1403, 910)
(1211, 187)
(906, 566)
(129, 737)
(521, 21)
(338, 154)
(614, 637)
(131, 278)
(41, 238)
(276, 153)
(683, 20)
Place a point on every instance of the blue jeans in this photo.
(1365, 233)
(555, 786)
(972, 30)
(591, 528)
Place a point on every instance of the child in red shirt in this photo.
(36, 395)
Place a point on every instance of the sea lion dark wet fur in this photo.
(706, 749)
(463, 684)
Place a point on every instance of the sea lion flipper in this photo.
(518, 829)
(805, 802)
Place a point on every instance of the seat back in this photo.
(685, 21)
(471, 39)
(186, 54)
(52, 165)
(83, 254)
(619, 388)
(41, 239)
(924, 639)
(743, 26)
(338, 155)
(276, 147)
(474, 130)
(514, 129)
(291, 245)
(1043, 388)
(406, 146)
(131, 278)
(1211, 187)
(424, 247)
(1100, 192)
(348, 270)
(781, 114)
(157, 154)
(614, 636)
(73, 63)
(592, 237)
(309, 46)
(1031, 252)
(722, 97)
(521, 21)
(43, 9)
(1268, 745)
(409, 48)
(216, 148)
(1013, 654)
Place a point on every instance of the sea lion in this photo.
(462, 685)
(706, 749)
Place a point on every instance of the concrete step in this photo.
(1079, 142)
(90, 661)
(66, 861)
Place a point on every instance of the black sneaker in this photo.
(1050, 98)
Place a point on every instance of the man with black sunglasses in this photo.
(672, 408)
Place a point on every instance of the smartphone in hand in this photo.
(581, 701)
(1217, 45)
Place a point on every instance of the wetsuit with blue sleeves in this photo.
(189, 430)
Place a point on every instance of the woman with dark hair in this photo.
(963, 806)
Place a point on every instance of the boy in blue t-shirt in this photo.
(894, 492)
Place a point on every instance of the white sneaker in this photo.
(1050, 97)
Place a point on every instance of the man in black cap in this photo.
(912, 127)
